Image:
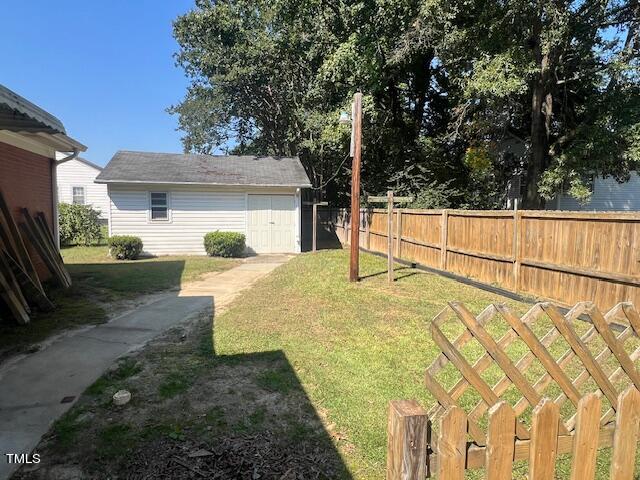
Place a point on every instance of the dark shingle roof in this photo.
(146, 167)
(19, 114)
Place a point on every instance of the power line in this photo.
(332, 176)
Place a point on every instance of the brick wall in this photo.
(25, 181)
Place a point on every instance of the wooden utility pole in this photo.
(354, 264)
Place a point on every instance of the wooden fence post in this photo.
(315, 227)
(399, 233)
(406, 441)
(390, 236)
(517, 220)
(443, 239)
(367, 229)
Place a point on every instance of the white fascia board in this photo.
(151, 182)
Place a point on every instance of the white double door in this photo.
(271, 223)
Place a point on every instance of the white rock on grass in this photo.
(121, 397)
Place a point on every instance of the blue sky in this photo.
(104, 68)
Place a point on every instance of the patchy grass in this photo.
(111, 380)
(173, 384)
(98, 282)
(303, 365)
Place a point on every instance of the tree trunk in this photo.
(541, 115)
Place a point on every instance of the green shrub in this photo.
(125, 247)
(224, 244)
(79, 224)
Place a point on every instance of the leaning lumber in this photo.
(45, 255)
(21, 253)
(17, 310)
(41, 221)
(12, 282)
(45, 250)
(42, 229)
(31, 291)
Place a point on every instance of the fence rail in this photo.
(561, 256)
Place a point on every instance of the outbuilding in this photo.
(172, 200)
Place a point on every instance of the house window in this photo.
(159, 206)
(78, 195)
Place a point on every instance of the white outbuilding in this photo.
(172, 200)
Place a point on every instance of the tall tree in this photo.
(560, 75)
(445, 84)
(272, 76)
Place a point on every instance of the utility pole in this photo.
(356, 126)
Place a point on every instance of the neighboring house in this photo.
(171, 200)
(29, 140)
(76, 185)
(607, 194)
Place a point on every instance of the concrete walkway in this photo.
(38, 388)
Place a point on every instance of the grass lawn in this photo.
(113, 279)
(100, 283)
(295, 377)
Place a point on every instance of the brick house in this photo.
(29, 140)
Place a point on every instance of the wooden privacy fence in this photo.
(572, 389)
(561, 256)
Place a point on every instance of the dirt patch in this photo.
(248, 413)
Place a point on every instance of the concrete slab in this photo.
(32, 388)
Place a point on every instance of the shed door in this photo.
(271, 223)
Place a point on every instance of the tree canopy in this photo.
(447, 86)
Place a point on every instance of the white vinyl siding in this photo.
(193, 214)
(608, 195)
(75, 173)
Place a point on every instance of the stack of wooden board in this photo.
(20, 287)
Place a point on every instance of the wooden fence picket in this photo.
(452, 444)
(585, 443)
(626, 435)
(500, 442)
(544, 439)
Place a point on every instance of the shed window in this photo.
(78, 195)
(159, 206)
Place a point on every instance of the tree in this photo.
(271, 77)
(444, 83)
(563, 76)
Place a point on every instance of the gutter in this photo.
(54, 192)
